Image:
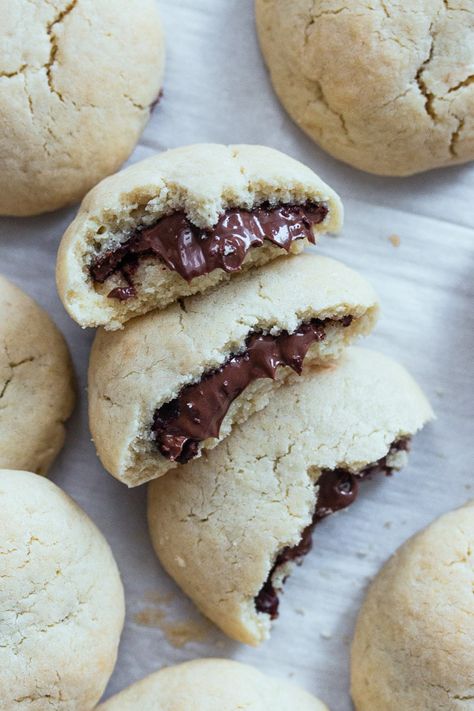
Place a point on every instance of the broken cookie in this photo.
(184, 221)
(228, 527)
(175, 382)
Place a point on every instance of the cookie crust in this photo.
(212, 685)
(61, 599)
(386, 87)
(132, 373)
(202, 181)
(67, 123)
(218, 524)
(36, 383)
(413, 644)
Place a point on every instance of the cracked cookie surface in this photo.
(74, 95)
(212, 685)
(36, 383)
(413, 646)
(61, 600)
(218, 524)
(385, 86)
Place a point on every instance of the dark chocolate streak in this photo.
(191, 251)
(338, 488)
(199, 409)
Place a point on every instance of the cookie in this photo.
(212, 685)
(36, 383)
(414, 640)
(386, 87)
(184, 221)
(228, 527)
(61, 599)
(75, 95)
(175, 382)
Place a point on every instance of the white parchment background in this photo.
(217, 90)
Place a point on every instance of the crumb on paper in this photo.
(299, 611)
(361, 554)
(158, 598)
(395, 240)
(467, 487)
(387, 524)
(325, 634)
(439, 392)
(177, 632)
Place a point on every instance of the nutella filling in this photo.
(338, 489)
(197, 413)
(192, 251)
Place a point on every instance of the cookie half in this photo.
(211, 685)
(414, 640)
(36, 383)
(175, 382)
(228, 527)
(75, 95)
(61, 599)
(184, 221)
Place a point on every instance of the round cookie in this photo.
(182, 222)
(175, 382)
(212, 685)
(414, 640)
(75, 94)
(36, 383)
(61, 599)
(386, 86)
(229, 526)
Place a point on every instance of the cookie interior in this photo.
(336, 489)
(196, 414)
(204, 412)
(192, 251)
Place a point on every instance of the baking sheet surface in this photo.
(217, 90)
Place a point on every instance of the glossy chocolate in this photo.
(337, 489)
(197, 413)
(191, 251)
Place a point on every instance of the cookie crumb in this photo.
(395, 240)
(325, 635)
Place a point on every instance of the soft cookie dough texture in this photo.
(61, 600)
(135, 371)
(218, 524)
(414, 640)
(212, 685)
(77, 78)
(386, 86)
(36, 383)
(201, 180)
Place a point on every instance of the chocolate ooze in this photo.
(338, 489)
(192, 251)
(197, 413)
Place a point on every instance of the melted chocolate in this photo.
(337, 489)
(197, 413)
(192, 251)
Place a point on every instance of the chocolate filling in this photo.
(338, 489)
(197, 413)
(192, 251)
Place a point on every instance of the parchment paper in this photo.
(217, 90)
